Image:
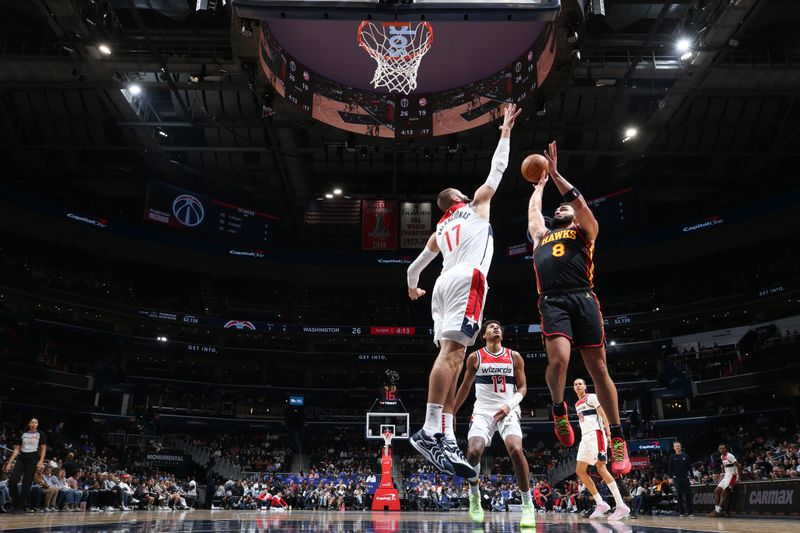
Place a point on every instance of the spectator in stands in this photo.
(49, 492)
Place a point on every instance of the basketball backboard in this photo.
(377, 423)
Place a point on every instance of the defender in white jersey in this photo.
(730, 476)
(593, 450)
(500, 385)
(464, 237)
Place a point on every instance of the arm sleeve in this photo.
(499, 163)
(419, 264)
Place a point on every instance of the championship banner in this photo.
(415, 224)
(379, 225)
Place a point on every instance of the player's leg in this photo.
(595, 361)
(718, 490)
(513, 444)
(475, 449)
(558, 350)
(581, 469)
(621, 510)
(449, 404)
(427, 441)
(589, 337)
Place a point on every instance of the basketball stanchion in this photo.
(386, 496)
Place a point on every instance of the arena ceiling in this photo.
(715, 130)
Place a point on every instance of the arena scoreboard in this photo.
(203, 215)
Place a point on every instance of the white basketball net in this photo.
(397, 48)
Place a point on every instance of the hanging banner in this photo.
(379, 225)
(415, 224)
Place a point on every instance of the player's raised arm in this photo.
(427, 255)
(484, 194)
(536, 227)
(583, 215)
(467, 382)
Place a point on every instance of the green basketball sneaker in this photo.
(475, 509)
(528, 516)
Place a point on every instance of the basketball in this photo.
(533, 168)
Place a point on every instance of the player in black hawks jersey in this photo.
(571, 317)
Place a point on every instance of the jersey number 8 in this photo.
(558, 250)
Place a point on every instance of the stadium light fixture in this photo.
(683, 45)
(687, 55)
(337, 191)
(104, 49)
(612, 343)
(135, 89)
(161, 338)
(328, 196)
(630, 133)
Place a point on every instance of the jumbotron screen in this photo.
(203, 215)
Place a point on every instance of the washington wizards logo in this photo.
(188, 210)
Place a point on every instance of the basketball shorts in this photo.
(482, 424)
(457, 305)
(575, 315)
(593, 447)
(727, 481)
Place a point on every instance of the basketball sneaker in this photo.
(528, 516)
(619, 513)
(453, 453)
(430, 447)
(620, 464)
(600, 510)
(475, 509)
(563, 429)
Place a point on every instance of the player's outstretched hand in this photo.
(416, 293)
(551, 154)
(502, 413)
(510, 114)
(542, 182)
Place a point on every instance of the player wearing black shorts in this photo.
(564, 267)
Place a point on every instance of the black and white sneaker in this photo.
(432, 449)
(456, 457)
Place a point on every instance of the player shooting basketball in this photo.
(464, 237)
(564, 268)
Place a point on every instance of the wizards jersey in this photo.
(494, 380)
(563, 260)
(465, 237)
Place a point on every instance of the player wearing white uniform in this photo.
(464, 237)
(592, 451)
(730, 476)
(500, 384)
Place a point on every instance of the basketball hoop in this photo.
(397, 48)
(387, 438)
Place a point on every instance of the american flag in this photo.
(333, 211)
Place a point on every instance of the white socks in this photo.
(447, 418)
(597, 498)
(526, 497)
(717, 508)
(474, 490)
(615, 492)
(433, 419)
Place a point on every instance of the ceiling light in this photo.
(337, 191)
(328, 196)
(683, 45)
(573, 37)
(104, 49)
(686, 55)
(134, 89)
(163, 133)
(631, 132)
(613, 343)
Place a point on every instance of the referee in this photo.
(30, 451)
(679, 469)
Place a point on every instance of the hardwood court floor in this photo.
(367, 522)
